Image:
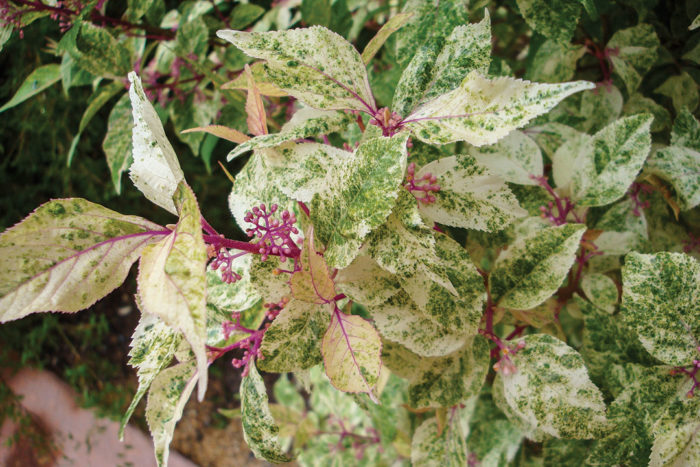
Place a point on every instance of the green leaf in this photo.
(5, 34)
(677, 435)
(483, 110)
(533, 267)
(470, 196)
(634, 51)
(394, 24)
(117, 142)
(190, 114)
(273, 288)
(601, 291)
(293, 340)
(153, 346)
(554, 62)
(316, 12)
(304, 123)
(172, 279)
(155, 170)
(680, 167)
(66, 255)
(192, 37)
(37, 81)
(351, 351)
(550, 392)
(682, 90)
(660, 300)
(514, 158)
(360, 197)
(259, 428)
(167, 397)
(72, 74)
(554, 19)
(686, 131)
(244, 14)
(638, 104)
(432, 447)
(610, 160)
(87, 43)
(623, 230)
(315, 65)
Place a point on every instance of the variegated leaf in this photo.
(686, 131)
(550, 392)
(638, 104)
(554, 19)
(366, 283)
(470, 196)
(152, 349)
(293, 340)
(608, 165)
(533, 267)
(305, 122)
(514, 158)
(68, 254)
(236, 296)
(360, 197)
(315, 65)
(677, 435)
(682, 90)
(166, 400)
(172, 279)
(623, 230)
(394, 24)
(483, 110)
(600, 290)
(155, 170)
(259, 428)
(351, 351)
(312, 283)
(446, 447)
(661, 301)
(270, 286)
(554, 62)
(635, 53)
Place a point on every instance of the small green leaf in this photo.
(117, 142)
(190, 114)
(634, 51)
(677, 435)
(155, 170)
(432, 447)
(638, 104)
(682, 90)
(394, 24)
(316, 12)
(554, 62)
(66, 255)
(87, 43)
(351, 351)
(661, 301)
(555, 19)
(315, 65)
(601, 291)
(360, 197)
(550, 392)
(172, 279)
(167, 397)
(607, 165)
(533, 267)
(37, 81)
(483, 110)
(244, 14)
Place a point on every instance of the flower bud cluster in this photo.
(273, 235)
(422, 188)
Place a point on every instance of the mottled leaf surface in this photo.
(366, 283)
(236, 296)
(635, 53)
(433, 447)
(550, 392)
(514, 158)
(360, 197)
(677, 435)
(661, 301)
(155, 170)
(600, 290)
(483, 110)
(315, 65)
(555, 19)
(68, 254)
(259, 428)
(554, 62)
(533, 267)
(172, 279)
(470, 196)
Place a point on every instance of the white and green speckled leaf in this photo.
(695, 24)
(600, 290)
(414, 80)
(366, 283)
(623, 231)
(554, 62)
(686, 131)
(679, 166)
(259, 429)
(167, 397)
(68, 254)
(677, 435)
(359, 198)
(270, 286)
(172, 280)
(638, 104)
(153, 346)
(608, 165)
(513, 158)
(236, 296)
(305, 122)
(661, 301)
(634, 53)
(155, 170)
(315, 65)
(682, 90)
(432, 448)
(550, 392)
(554, 19)
(470, 196)
(534, 267)
(351, 351)
(550, 136)
(483, 110)
(293, 340)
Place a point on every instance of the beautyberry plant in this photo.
(444, 295)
